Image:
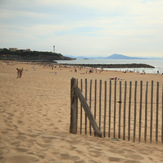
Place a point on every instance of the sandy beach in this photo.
(35, 119)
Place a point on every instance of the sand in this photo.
(35, 119)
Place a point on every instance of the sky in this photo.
(84, 27)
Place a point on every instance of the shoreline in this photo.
(131, 65)
(92, 67)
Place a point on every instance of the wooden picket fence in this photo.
(130, 111)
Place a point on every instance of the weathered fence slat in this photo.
(74, 107)
(115, 90)
(135, 111)
(105, 93)
(162, 114)
(77, 110)
(119, 132)
(88, 111)
(157, 104)
(95, 101)
(100, 105)
(140, 111)
(90, 98)
(85, 112)
(109, 108)
(129, 111)
(151, 120)
(146, 100)
(124, 115)
(81, 87)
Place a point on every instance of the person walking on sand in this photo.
(19, 72)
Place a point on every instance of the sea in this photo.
(158, 64)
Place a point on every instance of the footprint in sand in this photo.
(4, 151)
(22, 149)
(93, 161)
(43, 145)
(10, 115)
(56, 128)
(129, 151)
(19, 122)
(41, 155)
(115, 159)
(73, 147)
(117, 151)
(5, 132)
(135, 157)
(95, 153)
(73, 142)
(131, 161)
(15, 143)
(80, 161)
(66, 156)
(1, 158)
(20, 159)
(21, 137)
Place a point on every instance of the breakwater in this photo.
(132, 65)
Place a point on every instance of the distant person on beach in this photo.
(90, 71)
(19, 72)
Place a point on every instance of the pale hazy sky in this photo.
(84, 27)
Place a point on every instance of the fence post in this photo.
(115, 84)
(129, 111)
(135, 111)
(109, 109)
(81, 109)
(95, 101)
(157, 104)
(119, 132)
(105, 93)
(162, 114)
(100, 105)
(85, 112)
(140, 112)
(124, 116)
(90, 98)
(74, 99)
(146, 99)
(151, 120)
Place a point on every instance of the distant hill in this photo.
(114, 56)
(120, 56)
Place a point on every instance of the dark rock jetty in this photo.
(132, 65)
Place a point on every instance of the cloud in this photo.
(84, 27)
